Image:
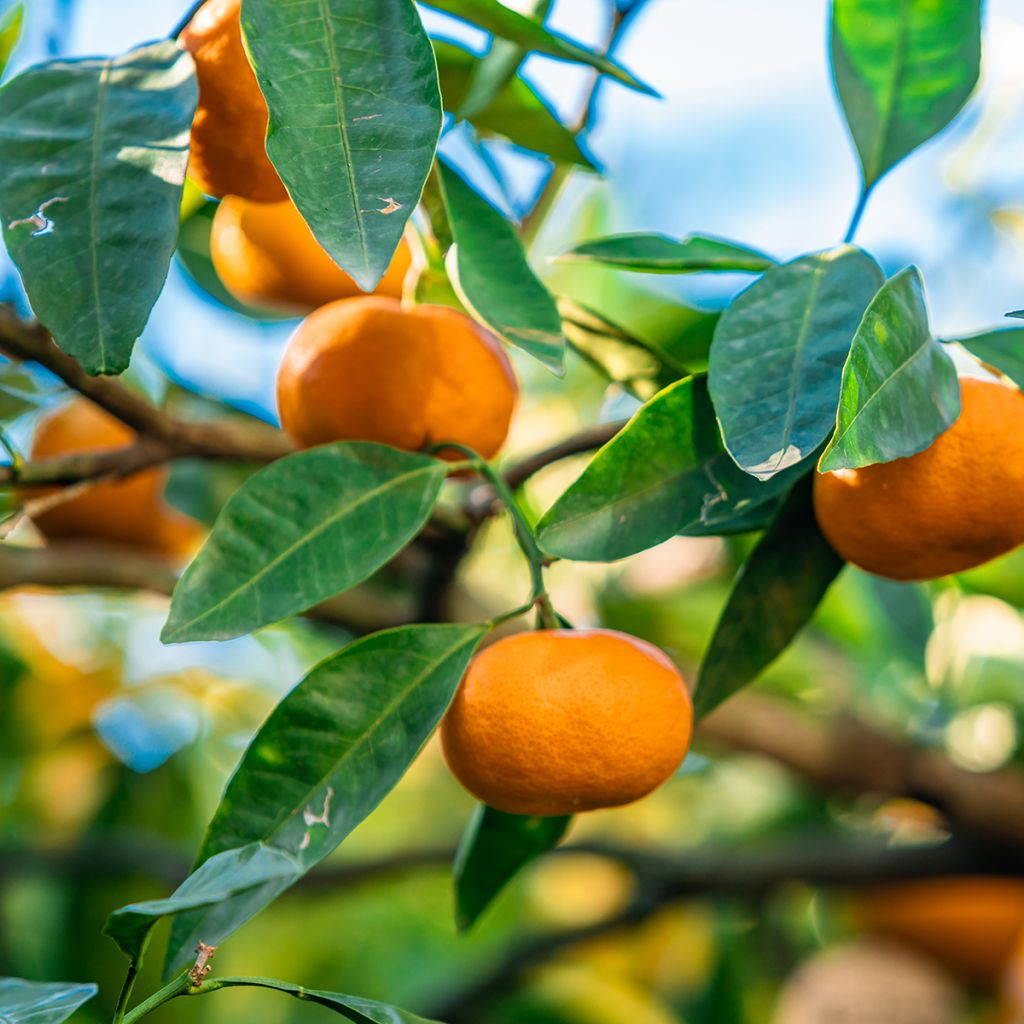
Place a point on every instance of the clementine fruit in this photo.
(266, 255)
(968, 925)
(229, 131)
(559, 721)
(953, 506)
(131, 511)
(368, 370)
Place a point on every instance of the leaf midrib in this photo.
(96, 162)
(896, 82)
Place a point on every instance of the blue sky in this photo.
(746, 142)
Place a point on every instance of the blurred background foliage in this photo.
(114, 749)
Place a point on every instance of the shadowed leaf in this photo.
(657, 254)
(1003, 349)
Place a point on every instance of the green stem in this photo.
(858, 212)
(126, 990)
(177, 986)
(8, 447)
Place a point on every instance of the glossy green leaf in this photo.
(361, 1011)
(92, 164)
(355, 116)
(37, 1002)
(1003, 349)
(515, 112)
(903, 69)
(228, 875)
(10, 33)
(665, 473)
(657, 254)
(775, 595)
(900, 388)
(299, 531)
(530, 34)
(778, 354)
(328, 754)
(494, 848)
(489, 270)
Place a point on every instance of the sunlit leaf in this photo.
(900, 388)
(778, 354)
(775, 595)
(490, 272)
(665, 473)
(494, 848)
(530, 34)
(92, 164)
(37, 1002)
(299, 531)
(328, 754)
(1003, 349)
(903, 70)
(355, 115)
(10, 33)
(657, 254)
(516, 112)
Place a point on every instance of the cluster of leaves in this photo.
(820, 362)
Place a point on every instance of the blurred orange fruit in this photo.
(131, 511)
(266, 256)
(229, 155)
(953, 506)
(968, 925)
(560, 721)
(368, 370)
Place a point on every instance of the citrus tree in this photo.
(288, 152)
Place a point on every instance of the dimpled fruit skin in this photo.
(229, 155)
(368, 370)
(949, 508)
(560, 721)
(130, 511)
(266, 255)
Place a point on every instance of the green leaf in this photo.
(665, 473)
(489, 270)
(778, 354)
(362, 1011)
(328, 754)
(355, 116)
(92, 164)
(515, 113)
(774, 597)
(1003, 349)
(903, 69)
(231, 873)
(657, 254)
(299, 531)
(10, 33)
(494, 848)
(530, 34)
(19, 392)
(900, 389)
(37, 1002)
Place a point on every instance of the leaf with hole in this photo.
(355, 116)
(489, 270)
(494, 848)
(900, 388)
(37, 1002)
(530, 34)
(903, 69)
(665, 473)
(778, 353)
(92, 164)
(657, 254)
(775, 595)
(327, 755)
(299, 531)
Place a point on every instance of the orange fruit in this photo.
(968, 925)
(266, 255)
(229, 131)
(368, 370)
(559, 721)
(953, 506)
(131, 511)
